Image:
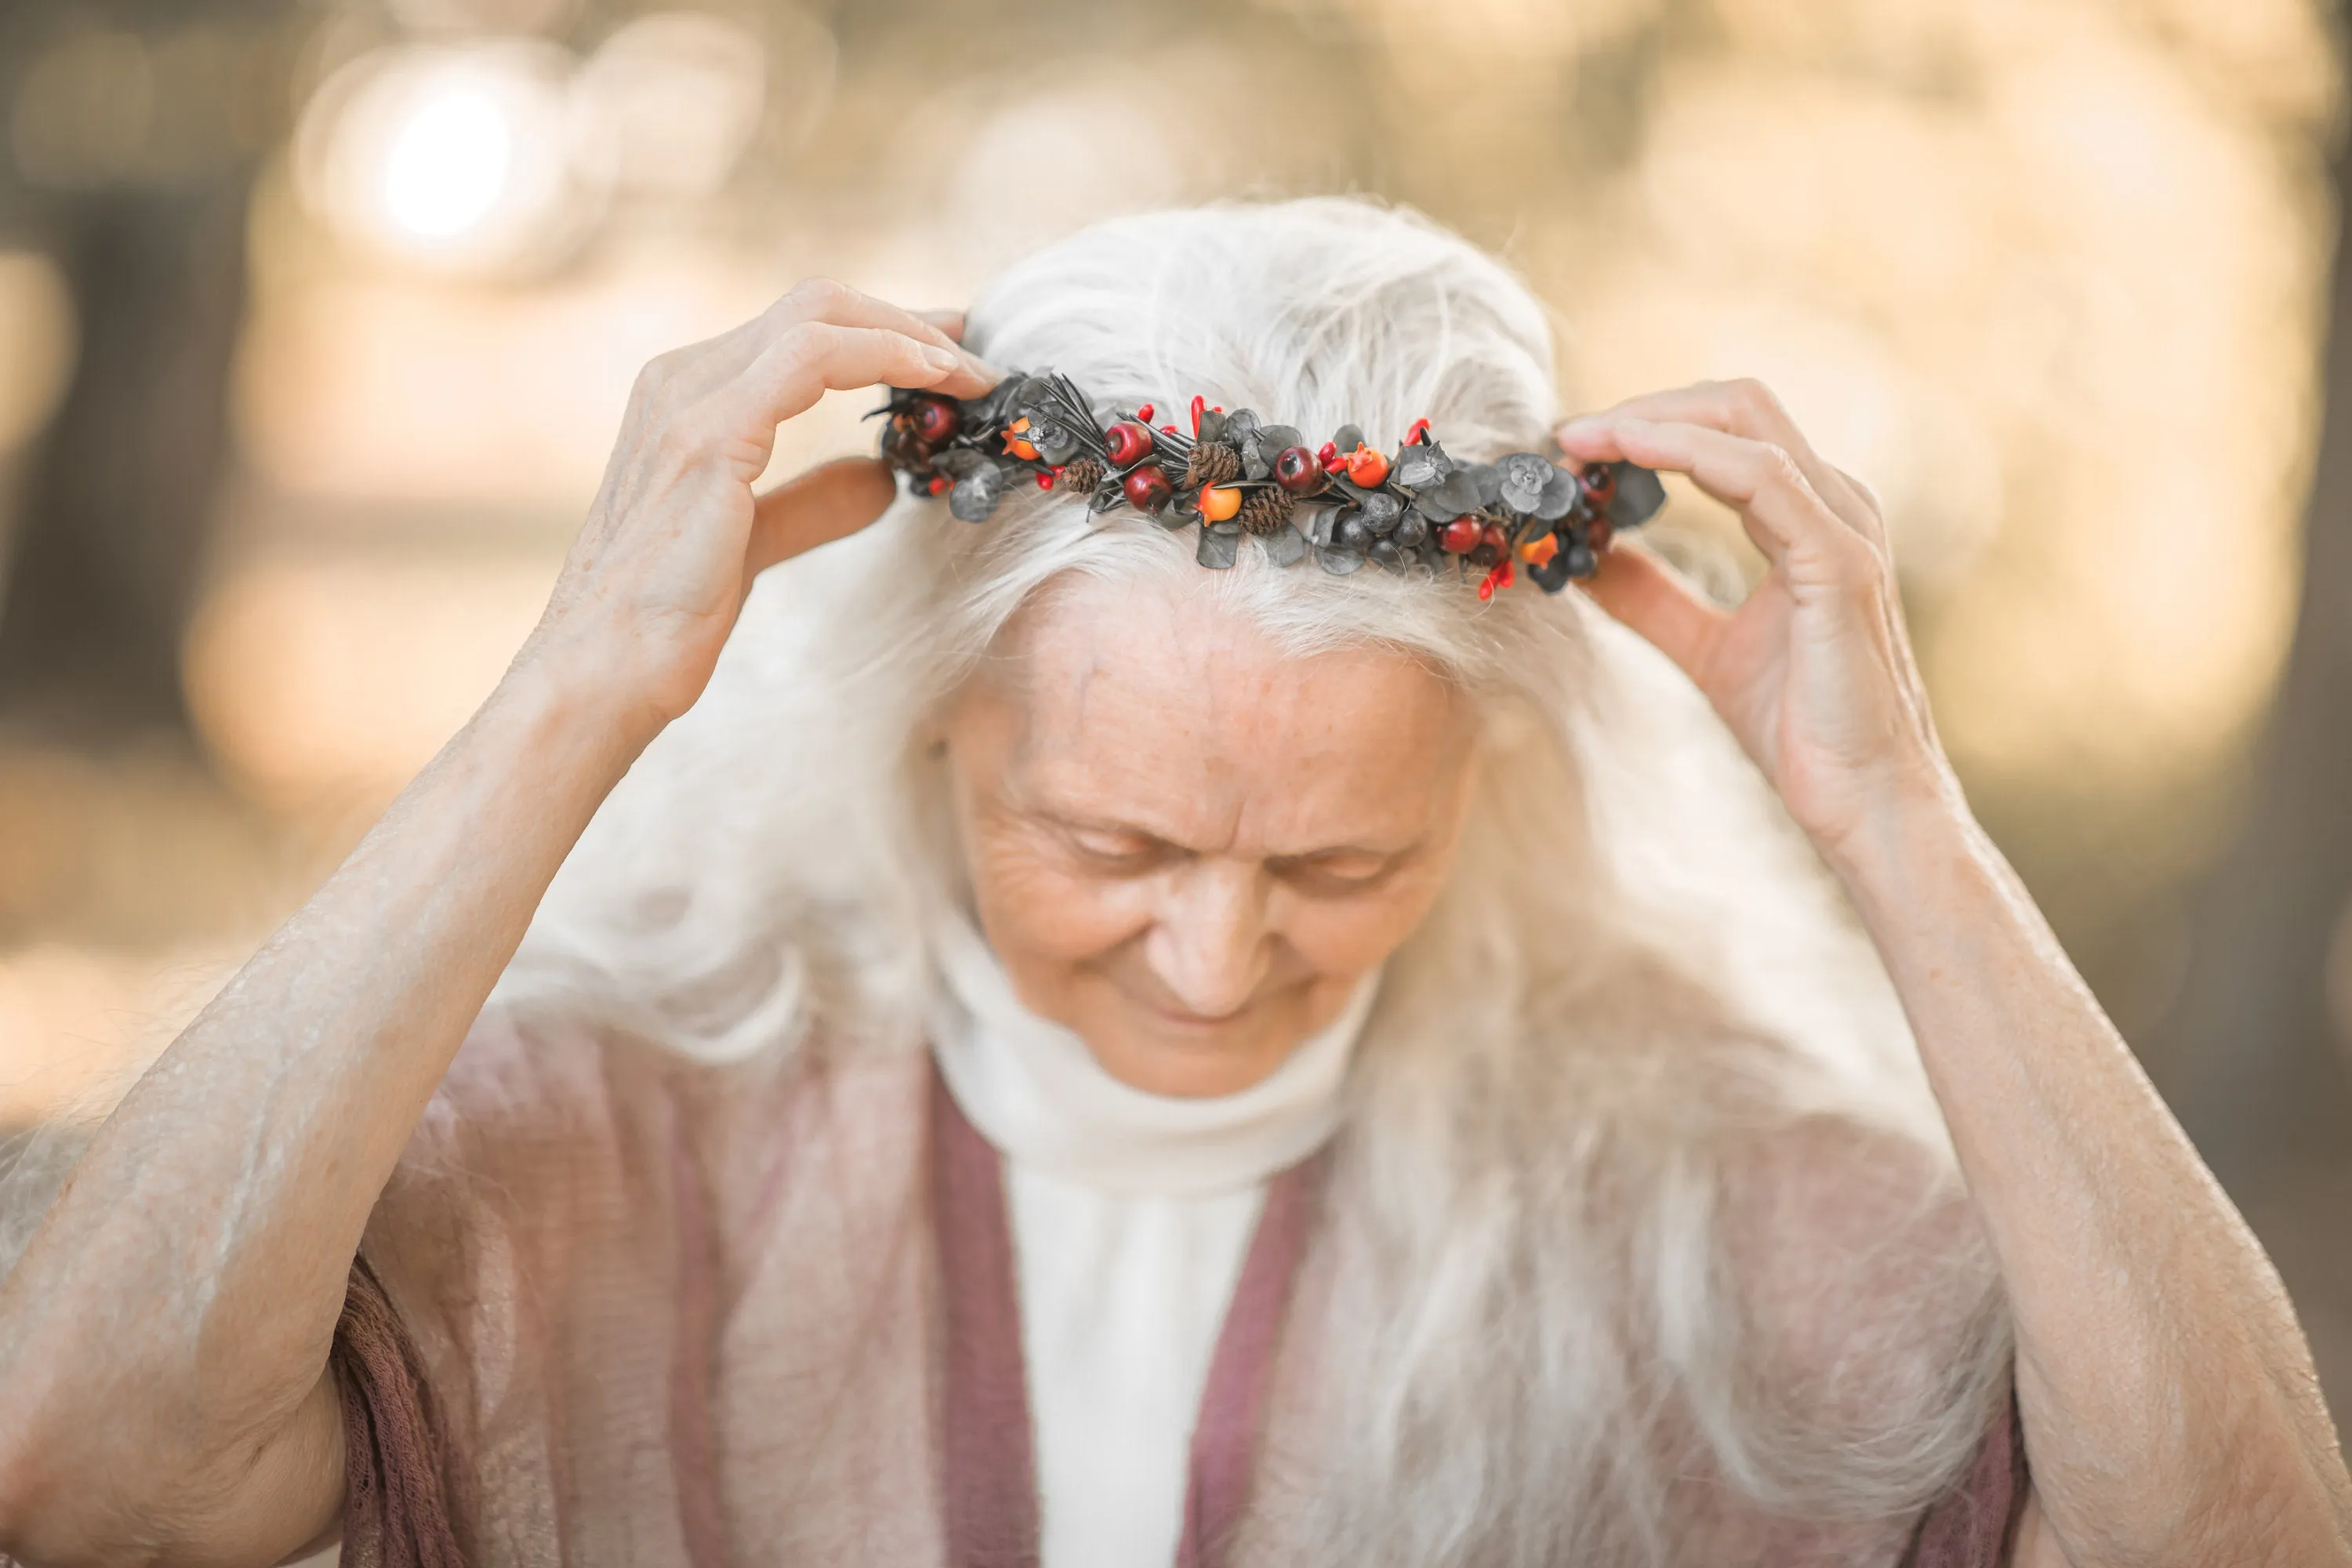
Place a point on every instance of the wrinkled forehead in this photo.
(1162, 695)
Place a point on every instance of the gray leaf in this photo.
(1420, 465)
(1639, 496)
(1218, 549)
(1521, 478)
(1350, 437)
(1558, 498)
(975, 495)
(1284, 546)
(1338, 561)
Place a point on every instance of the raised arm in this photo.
(2171, 1409)
(164, 1335)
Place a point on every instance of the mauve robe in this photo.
(619, 1308)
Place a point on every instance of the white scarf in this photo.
(1034, 1090)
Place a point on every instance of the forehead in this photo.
(1162, 706)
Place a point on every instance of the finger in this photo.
(822, 505)
(1808, 544)
(1655, 600)
(690, 374)
(816, 357)
(1749, 408)
(822, 300)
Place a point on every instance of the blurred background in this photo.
(317, 317)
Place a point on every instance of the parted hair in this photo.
(1641, 1186)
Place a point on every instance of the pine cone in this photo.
(1211, 463)
(1266, 509)
(1081, 475)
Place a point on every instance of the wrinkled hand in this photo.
(1813, 672)
(652, 588)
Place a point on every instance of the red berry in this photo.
(1199, 403)
(1461, 536)
(938, 484)
(1329, 458)
(1295, 470)
(1496, 537)
(1128, 442)
(936, 420)
(1144, 413)
(1046, 480)
(1599, 483)
(1596, 534)
(1416, 431)
(1148, 488)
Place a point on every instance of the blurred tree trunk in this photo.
(2251, 1053)
(111, 519)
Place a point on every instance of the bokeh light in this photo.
(458, 158)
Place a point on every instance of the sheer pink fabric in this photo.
(618, 1308)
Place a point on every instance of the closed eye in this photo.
(1118, 851)
(1337, 872)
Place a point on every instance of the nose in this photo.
(1210, 946)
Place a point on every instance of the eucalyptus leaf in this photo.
(1338, 561)
(1422, 465)
(1521, 478)
(1639, 496)
(1285, 545)
(1558, 498)
(1218, 549)
(974, 497)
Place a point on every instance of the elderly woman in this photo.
(1060, 1056)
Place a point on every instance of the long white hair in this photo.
(1642, 1174)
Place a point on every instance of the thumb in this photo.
(816, 507)
(1656, 601)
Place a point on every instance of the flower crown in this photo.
(1236, 475)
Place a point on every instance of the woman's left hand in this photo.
(1813, 672)
(2168, 1397)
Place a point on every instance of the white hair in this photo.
(1636, 1053)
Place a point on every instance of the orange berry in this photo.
(1539, 551)
(1219, 502)
(1365, 467)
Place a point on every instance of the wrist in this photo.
(1918, 825)
(564, 712)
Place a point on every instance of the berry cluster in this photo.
(1236, 475)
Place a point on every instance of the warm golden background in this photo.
(315, 320)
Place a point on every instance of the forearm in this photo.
(2171, 1409)
(177, 1302)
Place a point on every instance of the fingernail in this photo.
(940, 359)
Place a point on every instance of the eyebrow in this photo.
(1321, 852)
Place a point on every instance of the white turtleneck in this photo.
(1130, 1214)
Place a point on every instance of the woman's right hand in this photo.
(653, 585)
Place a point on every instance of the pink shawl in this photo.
(616, 1307)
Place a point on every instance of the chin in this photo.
(1186, 1062)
